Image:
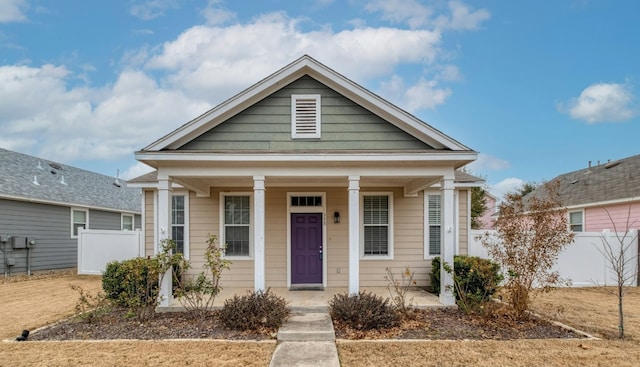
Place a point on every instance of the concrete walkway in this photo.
(306, 339)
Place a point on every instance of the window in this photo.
(237, 225)
(575, 221)
(127, 222)
(305, 116)
(376, 225)
(178, 222)
(79, 219)
(433, 203)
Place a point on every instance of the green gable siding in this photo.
(267, 126)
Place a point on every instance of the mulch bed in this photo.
(452, 324)
(435, 324)
(170, 325)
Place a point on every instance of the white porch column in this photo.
(164, 232)
(258, 232)
(448, 242)
(354, 234)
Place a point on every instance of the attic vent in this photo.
(611, 164)
(305, 116)
(55, 166)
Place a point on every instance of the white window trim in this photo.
(86, 224)
(186, 220)
(133, 222)
(427, 255)
(389, 195)
(294, 126)
(581, 211)
(223, 241)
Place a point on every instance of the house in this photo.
(311, 181)
(490, 215)
(43, 204)
(602, 196)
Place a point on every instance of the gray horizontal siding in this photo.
(267, 126)
(50, 227)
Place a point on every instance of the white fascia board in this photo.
(310, 157)
(605, 203)
(66, 204)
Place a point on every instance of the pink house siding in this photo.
(597, 219)
(486, 220)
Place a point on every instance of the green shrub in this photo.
(113, 280)
(364, 311)
(478, 278)
(255, 311)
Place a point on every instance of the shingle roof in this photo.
(59, 183)
(615, 180)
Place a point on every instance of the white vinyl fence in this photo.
(582, 262)
(98, 247)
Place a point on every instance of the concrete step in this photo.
(307, 326)
(305, 354)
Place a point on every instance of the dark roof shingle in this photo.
(60, 183)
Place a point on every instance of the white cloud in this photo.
(602, 102)
(417, 15)
(220, 61)
(401, 11)
(215, 14)
(39, 112)
(506, 186)
(487, 162)
(136, 170)
(424, 94)
(13, 11)
(151, 9)
(463, 18)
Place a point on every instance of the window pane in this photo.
(575, 217)
(236, 210)
(177, 235)
(376, 240)
(435, 209)
(177, 209)
(127, 223)
(76, 226)
(79, 216)
(435, 234)
(237, 241)
(376, 209)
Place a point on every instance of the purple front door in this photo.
(306, 248)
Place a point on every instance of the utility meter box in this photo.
(18, 242)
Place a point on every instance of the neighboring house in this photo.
(490, 215)
(603, 196)
(311, 181)
(43, 204)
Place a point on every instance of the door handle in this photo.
(320, 254)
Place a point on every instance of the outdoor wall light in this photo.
(336, 217)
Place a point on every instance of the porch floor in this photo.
(317, 300)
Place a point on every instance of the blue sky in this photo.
(538, 88)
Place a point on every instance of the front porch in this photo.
(317, 300)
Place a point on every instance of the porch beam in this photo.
(164, 233)
(201, 188)
(258, 232)
(354, 234)
(448, 243)
(414, 186)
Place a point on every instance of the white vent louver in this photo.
(305, 116)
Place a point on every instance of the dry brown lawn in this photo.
(592, 309)
(33, 303)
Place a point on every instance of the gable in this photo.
(267, 126)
